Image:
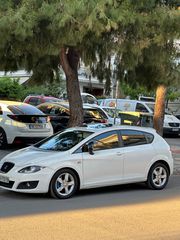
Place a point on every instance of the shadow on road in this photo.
(16, 204)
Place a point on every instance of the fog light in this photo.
(28, 185)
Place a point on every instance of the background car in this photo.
(113, 116)
(38, 99)
(59, 114)
(22, 123)
(89, 157)
(88, 98)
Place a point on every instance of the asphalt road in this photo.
(114, 213)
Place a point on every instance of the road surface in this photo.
(114, 213)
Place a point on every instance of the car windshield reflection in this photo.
(63, 141)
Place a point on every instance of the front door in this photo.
(105, 166)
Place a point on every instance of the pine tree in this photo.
(92, 30)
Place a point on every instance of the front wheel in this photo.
(64, 184)
(158, 176)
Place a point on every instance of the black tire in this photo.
(3, 139)
(63, 188)
(158, 176)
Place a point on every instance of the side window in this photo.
(105, 141)
(34, 101)
(1, 112)
(60, 111)
(44, 109)
(133, 138)
(141, 108)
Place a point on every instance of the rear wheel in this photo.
(64, 184)
(3, 139)
(158, 176)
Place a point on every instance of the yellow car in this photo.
(136, 119)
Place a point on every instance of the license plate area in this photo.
(175, 129)
(4, 179)
(36, 126)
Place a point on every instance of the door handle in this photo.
(119, 153)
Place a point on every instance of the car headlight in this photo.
(31, 169)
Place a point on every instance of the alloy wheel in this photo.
(159, 176)
(65, 184)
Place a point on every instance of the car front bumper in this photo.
(26, 183)
(173, 131)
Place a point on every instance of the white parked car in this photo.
(22, 123)
(88, 157)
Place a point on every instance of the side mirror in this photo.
(88, 148)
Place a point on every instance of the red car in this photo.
(38, 99)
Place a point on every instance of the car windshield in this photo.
(53, 100)
(63, 141)
(151, 106)
(24, 109)
(94, 113)
(110, 111)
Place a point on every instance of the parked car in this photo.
(38, 99)
(171, 123)
(136, 119)
(22, 123)
(113, 116)
(89, 157)
(88, 98)
(59, 114)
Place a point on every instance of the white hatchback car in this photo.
(88, 157)
(22, 123)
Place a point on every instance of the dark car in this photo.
(59, 114)
(38, 99)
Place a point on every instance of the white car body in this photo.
(106, 167)
(16, 129)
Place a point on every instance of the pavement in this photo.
(176, 155)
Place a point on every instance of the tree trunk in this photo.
(69, 58)
(159, 108)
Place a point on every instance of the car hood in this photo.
(32, 155)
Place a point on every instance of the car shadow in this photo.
(16, 204)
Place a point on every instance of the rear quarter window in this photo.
(24, 110)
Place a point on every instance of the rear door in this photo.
(138, 153)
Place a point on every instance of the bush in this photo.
(10, 89)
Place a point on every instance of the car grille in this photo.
(7, 185)
(6, 167)
(174, 124)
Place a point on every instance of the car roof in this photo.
(66, 105)
(92, 127)
(42, 96)
(4, 102)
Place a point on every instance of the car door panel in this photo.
(105, 167)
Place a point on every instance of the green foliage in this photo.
(135, 92)
(10, 89)
(32, 33)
